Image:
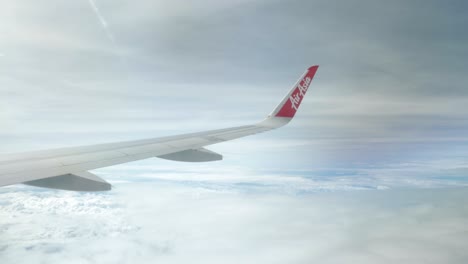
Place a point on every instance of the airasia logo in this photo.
(296, 97)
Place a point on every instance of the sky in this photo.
(373, 166)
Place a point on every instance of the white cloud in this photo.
(175, 223)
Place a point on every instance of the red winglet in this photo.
(291, 103)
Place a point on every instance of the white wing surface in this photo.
(67, 168)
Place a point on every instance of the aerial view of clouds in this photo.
(373, 168)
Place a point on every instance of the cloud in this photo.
(178, 223)
(295, 179)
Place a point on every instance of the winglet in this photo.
(290, 103)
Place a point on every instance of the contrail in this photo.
(103, 22)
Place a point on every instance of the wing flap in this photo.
(193, 155)
(81, 181)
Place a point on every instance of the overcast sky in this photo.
(391, 82)
(386, 111)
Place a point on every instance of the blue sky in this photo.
(385, 114)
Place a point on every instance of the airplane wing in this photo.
(67, 168)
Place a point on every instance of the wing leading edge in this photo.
(67, 168)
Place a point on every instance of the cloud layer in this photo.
(176, 223)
